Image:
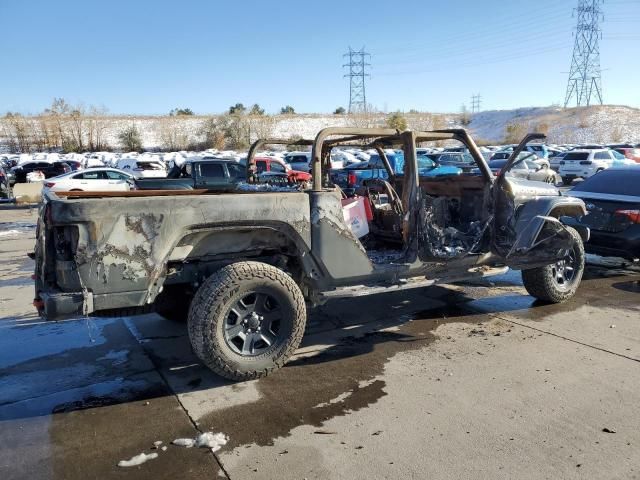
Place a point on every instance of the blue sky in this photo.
(147, 57)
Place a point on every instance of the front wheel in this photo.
(246, 320)
(559, 281)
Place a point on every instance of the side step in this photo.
(364, 290)
(407, 284)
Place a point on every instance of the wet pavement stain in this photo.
(342, 379)
(346, 377)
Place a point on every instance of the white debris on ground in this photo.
(157, 443)
(137, 460)
(214, 441)
(7, 233)
(340, 398)
(184, 442)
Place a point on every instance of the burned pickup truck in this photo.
(248, 264)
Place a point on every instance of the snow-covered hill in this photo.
(602, 124)
(599, 124)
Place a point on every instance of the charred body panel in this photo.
(119, 256)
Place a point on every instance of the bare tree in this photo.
(259, 126)
(515, 132)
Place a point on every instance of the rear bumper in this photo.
(63, 305)
(58, 306)
(625, 244)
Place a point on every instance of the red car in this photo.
(272, 164)
(630, 153)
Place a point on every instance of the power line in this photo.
(454, 64)
(585, 76)
(357, 73)
(476, 102)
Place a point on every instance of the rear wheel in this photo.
(567, 180)
(557, 282)
(246, 320)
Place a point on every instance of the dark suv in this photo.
(50, 169)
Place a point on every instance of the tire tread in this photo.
(211, 298)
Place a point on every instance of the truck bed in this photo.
(114, 251)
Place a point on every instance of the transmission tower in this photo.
(476, 101)
(357, 73)
(585, 79)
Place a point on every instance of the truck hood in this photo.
(529, 188)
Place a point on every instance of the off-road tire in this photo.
(539, 282)
(212, 303)
(567, 181)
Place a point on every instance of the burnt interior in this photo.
(452, 219)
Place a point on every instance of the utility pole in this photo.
(476, 102)
(357, 73)
(585, 77)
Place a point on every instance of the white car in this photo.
(587, 162)
(141, 168)
(91, 180)
(300, 161)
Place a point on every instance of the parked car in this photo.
(299, 161)
(587, 162)
(5, 186)
(554, 152)
(630, 153)
(461, 160)
(218, 175)
(589, 146)
(554, 161)
(5, 166)
(524, 169)
(74, 164)
(353, 175)
(524, 155)
(49, 169)
(272, 164)
(142, 168)
(612, 199)
(91, 180)
(540, 150)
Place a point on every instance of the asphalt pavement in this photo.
(458, 381)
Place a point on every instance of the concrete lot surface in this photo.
(453, 382)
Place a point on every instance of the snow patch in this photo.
(184, 442)
(137, 460)
(340, 398)
(214, 441)
(8, 233)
